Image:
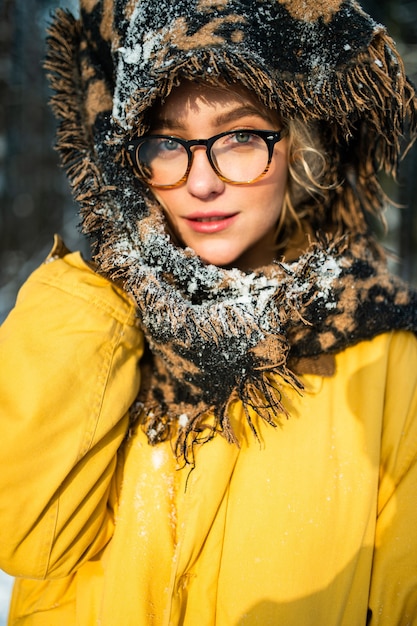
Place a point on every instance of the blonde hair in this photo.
(308, 186)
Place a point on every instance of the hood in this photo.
(327, 63)
(215, 334)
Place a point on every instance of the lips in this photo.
(210, 223)
(209, 219)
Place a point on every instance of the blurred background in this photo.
(35, 201)
(34, 196)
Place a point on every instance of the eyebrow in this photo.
(241, 111)
(223, 118)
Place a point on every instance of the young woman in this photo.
(214, 423)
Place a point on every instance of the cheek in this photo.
(279, 164)
(274, 192)
(160, 196)
(280, 176)
(170, 200)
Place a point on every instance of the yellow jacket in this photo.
(311, 526)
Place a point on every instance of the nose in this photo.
(202, 181)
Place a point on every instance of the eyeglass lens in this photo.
(239, 157)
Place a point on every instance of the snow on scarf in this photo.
(216, 335)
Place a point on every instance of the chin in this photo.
(220, 259)
(220, 262)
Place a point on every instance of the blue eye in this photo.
(168, 144)
(243, 137)
(162, 148)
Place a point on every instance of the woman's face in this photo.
(226, 225)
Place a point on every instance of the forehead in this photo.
(188, 99)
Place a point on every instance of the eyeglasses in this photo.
(238, 157)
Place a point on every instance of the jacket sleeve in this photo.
(393, 597)
(69, 371)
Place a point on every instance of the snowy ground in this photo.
(5, 588)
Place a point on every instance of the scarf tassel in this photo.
(193, 423)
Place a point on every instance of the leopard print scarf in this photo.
(214, 335)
